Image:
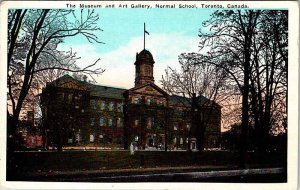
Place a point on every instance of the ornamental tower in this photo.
(144, 68)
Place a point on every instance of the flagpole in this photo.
(144, 34)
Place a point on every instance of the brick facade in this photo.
(77, 113)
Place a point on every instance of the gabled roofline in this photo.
(148, 84)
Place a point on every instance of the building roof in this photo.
(144, 57)
(117, 93)
(95, 90)
(105, 91)
(184, 101)
(152, 85)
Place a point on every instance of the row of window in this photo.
(103, 105)
(176, 127)
(149, 123)
(69, 96)
(176, 140)
(92, 138)
(148, 101)
(110, 122)
(180, 140)
(101, 136)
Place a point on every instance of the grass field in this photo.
(108, 160)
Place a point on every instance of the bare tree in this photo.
(230, 39)
(33, 37)
(251, 46)
(200, 85)
(268, 76)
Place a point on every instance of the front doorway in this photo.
(150, 142)
(193, 145)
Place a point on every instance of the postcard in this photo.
(149, 94)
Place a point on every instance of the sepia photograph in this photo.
(138, 92)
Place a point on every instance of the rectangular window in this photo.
(92, 138)
(181, 140)
(136, 122)
(136, 100)
(102, 121)
(111, 106)
(92, 121)
(148, 101)
(93, 104)
(78, 136)
(110, 122)
(149, 123)
(175, 126)
(70, 97)
(181, 126)
(119, 124)
(188, 126)
(103, 105)
(119, 107)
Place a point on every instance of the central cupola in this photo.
(144, 68)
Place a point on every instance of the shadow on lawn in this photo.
(68, 161)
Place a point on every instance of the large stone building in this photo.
(79, 113)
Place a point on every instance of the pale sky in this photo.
(172, 32)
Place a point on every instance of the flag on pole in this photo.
(145, 31)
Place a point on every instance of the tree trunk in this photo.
(245, 108)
